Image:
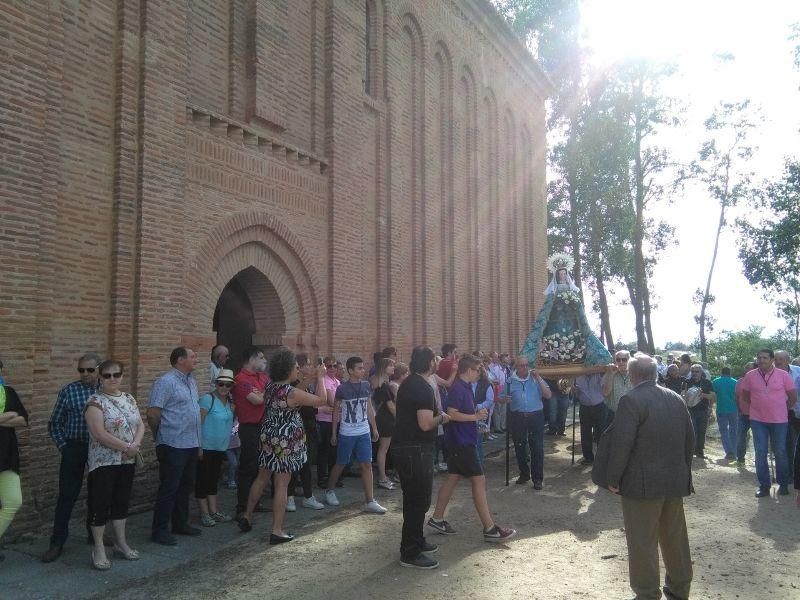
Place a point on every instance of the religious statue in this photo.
(560, 337)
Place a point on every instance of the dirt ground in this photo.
(570, 545)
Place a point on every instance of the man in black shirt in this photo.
(416, 422)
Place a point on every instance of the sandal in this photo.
(103, 565)
(130, 555)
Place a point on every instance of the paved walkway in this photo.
(24, 576)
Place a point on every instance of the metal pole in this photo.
(572, 399)
(508, 435)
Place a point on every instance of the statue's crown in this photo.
(560, 260)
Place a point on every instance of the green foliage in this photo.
(769, 245)
(735, 348)
(721, 167)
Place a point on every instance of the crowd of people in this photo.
(273, 420)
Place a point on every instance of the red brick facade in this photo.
(369, 172)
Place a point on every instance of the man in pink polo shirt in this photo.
(769, 392)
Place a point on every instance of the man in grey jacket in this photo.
(649, 465)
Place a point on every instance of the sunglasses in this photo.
(115, 375)
(224, 384)
(622, 360)
(86, 370)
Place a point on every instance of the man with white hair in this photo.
(615, 382)
(649, 465)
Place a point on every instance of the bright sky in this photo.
(690, 33)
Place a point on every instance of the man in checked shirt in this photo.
(67, 428)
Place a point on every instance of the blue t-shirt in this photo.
(724, 388)
(458, 434)
(217, 424)
(353, 420)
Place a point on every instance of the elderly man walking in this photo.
(649, 465)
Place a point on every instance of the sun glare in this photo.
(618, 29)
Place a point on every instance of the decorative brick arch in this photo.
(258, 240)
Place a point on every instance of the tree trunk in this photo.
(605, 320)
(641, 305)
(574, 227)
(707, 294)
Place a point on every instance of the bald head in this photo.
(642, 367)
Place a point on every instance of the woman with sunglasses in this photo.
(116, 430)
(216, 416)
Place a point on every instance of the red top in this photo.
(244, 383)
(446, 367)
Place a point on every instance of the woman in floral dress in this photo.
(283, 443)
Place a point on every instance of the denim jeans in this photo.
(763, 434)
(557, 418)
(741, 436)
(70, 482)
(527, 431)
(699, 424)
(727, 423)
(414, 464)
(176, 472)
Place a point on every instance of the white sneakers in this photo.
(370, 507)
(373, 507)
(290, 505)
(313, 503)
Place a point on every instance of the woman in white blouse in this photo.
(116, 430)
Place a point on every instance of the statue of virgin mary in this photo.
(561, 334)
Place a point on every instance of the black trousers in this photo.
(248, 462)
(70, 482)
(414, 464)
(593, 420)
(111, 488)
(326, 454)
(208, 469)
(177, 468)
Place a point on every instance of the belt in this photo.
(522, 412)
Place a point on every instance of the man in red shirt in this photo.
(248, 404)
(448, 366)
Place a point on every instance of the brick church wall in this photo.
(380, 164)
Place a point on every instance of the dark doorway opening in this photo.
(249, 312)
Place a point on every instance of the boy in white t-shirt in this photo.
(354, 430)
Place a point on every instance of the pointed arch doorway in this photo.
(249, 312)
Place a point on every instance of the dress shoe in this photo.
(274, 540)
(164, 539)
(522, 479)
(763, 492)
(783, 490)
(53, 552)
(187, 530)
